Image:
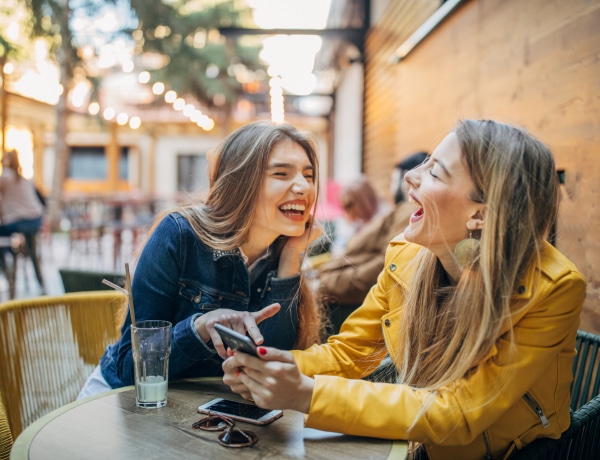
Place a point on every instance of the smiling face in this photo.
(287, 195)
(442, 187)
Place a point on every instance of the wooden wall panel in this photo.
(533, 63)
(381, 115)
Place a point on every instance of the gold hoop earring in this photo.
(466, 251)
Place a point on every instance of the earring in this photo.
(466, 251)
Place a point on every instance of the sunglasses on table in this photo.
(232, 436)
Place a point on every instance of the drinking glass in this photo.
(151, 345)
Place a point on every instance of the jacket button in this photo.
(387, 322)
(197, 299)
(521, 289)
(392, 267)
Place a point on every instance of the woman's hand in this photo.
(239, 321)
(272, 381)
(292, 254)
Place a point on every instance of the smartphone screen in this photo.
(236, 341)
(240, 411)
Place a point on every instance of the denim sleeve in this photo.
(281, 290)
(155, 293)
(280, 330)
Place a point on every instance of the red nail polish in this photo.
(237, 373)
(262, 350)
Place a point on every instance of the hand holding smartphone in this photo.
(236, 341)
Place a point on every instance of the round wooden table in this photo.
(111, 426)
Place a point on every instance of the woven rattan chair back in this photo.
(6, 439)
(49, 346)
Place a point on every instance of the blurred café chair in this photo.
(76, 219)
(8, 264)
(128, 217)
(75, 280)
(25, 247)
(49, 346)
(6, 439)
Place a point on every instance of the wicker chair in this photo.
(582, 440)
(6, 439)
(83, 280)
(49, 346)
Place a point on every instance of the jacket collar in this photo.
(218, 253)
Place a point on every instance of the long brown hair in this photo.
(223, 218)
(514, 175)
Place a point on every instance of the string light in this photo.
(179, 104)
(135, 122)
(94, 108)
(144, 77)
(122, 118)
(277, 102)
(158, 88)
(108, 114)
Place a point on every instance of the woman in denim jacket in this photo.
(234, 259)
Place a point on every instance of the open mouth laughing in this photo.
(418, 214)
(294, 210)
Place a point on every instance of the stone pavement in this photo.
(58, 251)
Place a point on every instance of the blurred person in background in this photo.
(21, 208)
(361, 205)
(344, 281)
(233, 257)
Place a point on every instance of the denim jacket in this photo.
(177, 279)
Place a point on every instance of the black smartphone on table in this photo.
(236, 341)
(244, 412)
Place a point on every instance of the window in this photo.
(192, 172)
(90, 163)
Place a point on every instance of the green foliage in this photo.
(50, 19)
(7, 49)
(187, 33)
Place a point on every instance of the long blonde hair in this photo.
(514, 175)
(223, 219)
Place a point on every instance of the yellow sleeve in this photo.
(358, 348)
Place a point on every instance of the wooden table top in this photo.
(110, 426)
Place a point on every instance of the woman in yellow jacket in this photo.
(477, 311)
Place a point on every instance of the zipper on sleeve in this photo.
(531, 402)
(488, 450)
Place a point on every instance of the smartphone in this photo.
(244, 412)
(236, 341)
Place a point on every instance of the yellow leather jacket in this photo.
(500, 407)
